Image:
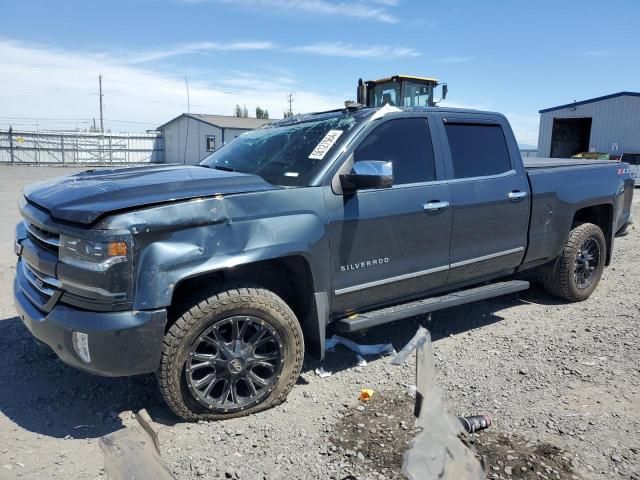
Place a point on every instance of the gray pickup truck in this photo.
(217, 276)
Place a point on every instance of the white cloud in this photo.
(341, 49)
(603, 53)
(196, 47)
(323, 7)
(47, 83)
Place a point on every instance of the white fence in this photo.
(69, 148)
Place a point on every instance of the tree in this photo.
(287, 114)
(238, 111)
(260, 113)
(245, 112)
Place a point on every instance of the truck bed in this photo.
(540, 162)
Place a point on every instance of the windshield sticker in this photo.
(291, 174)
(325, 144)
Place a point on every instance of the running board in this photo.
(426, 305)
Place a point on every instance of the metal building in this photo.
(608, 124)
(190, 137)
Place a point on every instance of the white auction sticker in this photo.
(325, 144)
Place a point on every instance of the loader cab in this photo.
(400, 91)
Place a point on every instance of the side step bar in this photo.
(426, 305)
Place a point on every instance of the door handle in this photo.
(516, 195)
(435, 206)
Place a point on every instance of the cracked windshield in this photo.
(288, 155)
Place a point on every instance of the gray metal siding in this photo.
(176, 135)
(615, 120)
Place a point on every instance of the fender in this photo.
(184, 240)
(556, 204)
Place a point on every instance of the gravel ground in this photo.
(561, 381)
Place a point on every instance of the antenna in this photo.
(186, 137)
(101, 95)
(186, 82)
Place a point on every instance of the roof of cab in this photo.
(412, 77)
(361, 112)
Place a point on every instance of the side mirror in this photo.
(368, 174)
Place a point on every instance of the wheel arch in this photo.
(602, 216)
(290, 277)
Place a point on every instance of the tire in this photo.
(196, 347)
(563, 277)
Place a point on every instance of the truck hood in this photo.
(86, 196)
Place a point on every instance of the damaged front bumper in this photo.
(118, 343)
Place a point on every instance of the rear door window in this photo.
(477, 150)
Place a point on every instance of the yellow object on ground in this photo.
(365, 394)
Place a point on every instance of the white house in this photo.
(191, 137)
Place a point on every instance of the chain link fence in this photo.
(81, 148)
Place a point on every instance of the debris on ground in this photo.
(133, 452)
(365, 394)
(438, 452)
(322, 373)
(362, 350)
(475, 423)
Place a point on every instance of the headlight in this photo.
(91, 254)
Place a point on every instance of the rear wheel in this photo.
(236, 352)
(576, 272)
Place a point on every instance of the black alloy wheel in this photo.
(587, 261)
(235, 349)
(234, 364)
(575, 274)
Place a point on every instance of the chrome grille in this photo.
(44, 284)
(44, 238)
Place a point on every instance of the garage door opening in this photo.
(570, 136)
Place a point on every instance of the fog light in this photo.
(81, 346)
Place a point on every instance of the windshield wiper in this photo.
(224, 168)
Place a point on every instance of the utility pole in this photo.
(101, 95)
(290, 100)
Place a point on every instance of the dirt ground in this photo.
(561, 382)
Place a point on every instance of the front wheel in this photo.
(237, 352)
(575, 274)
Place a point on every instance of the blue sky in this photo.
(515, 57)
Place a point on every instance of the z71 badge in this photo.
(365, 264)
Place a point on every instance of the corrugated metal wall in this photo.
(176, 134)
(615, 120)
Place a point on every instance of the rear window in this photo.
(477, 150)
